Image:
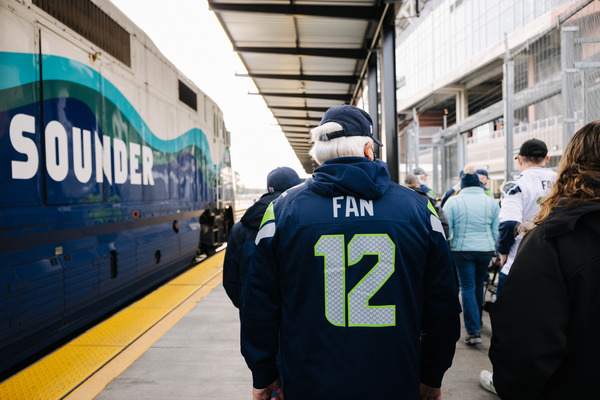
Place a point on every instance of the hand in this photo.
(265, 394)
(503, 258)
(430, 393)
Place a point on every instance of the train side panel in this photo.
(107, 172)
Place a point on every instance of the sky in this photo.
(190, 36)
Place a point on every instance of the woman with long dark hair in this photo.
(547, 321)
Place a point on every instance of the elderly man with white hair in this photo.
(352, 277)
(422, 176)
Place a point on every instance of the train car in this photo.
(115, 170)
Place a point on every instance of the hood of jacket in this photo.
(563, 219)
(420, 191)
(254, 214)
(351, 176)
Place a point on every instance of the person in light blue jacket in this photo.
(473, 225)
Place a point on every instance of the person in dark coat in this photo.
(412, 182)
(547, 320)
(422, 178)
(240, 245)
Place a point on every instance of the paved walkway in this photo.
(199, 358)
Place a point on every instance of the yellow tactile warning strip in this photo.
(84, 366)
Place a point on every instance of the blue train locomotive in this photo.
(115, 169)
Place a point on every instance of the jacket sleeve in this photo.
(441, 312)
(444, 220)
(449, 214)
(511, 214)
(530, 321)
(231, 264)
(447, 195)
(495, 221)
(261, 310)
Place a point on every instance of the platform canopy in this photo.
(303, 56)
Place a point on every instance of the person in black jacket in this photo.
(412, 182)
(547, 320)
(240, 245)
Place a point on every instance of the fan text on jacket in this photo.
(348, 206)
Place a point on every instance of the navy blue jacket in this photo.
(353, 274)
(240, 247)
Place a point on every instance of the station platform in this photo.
(182, 342)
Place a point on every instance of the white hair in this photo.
(346, 146)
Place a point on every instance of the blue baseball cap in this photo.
(354, 122)
(482, 172)
(281, 179)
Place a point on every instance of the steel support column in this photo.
(509, 115)
(417, 135)
(374, 101)
(388, 93)
(461, 150)
(569, 72)
(445, 175)
(435, 174)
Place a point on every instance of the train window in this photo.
(88, 20)
(188, 96)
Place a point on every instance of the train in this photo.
(115, 170)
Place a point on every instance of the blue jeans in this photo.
(472, 273)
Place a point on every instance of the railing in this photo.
(536, 126)
(523, 127)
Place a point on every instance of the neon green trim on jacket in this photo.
(432, 208)
(269, 215)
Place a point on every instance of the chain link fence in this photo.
(551, 87)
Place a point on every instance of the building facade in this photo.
(467, 69)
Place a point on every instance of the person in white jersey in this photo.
(521, 201)
(519, 205)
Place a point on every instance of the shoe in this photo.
(473, 338)
(485, 378)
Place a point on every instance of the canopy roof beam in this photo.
(345, 11)
(313, 78)
(300, 108)
(358, 54)
(322, 96)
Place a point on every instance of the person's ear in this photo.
(547, 160)
(369, 151)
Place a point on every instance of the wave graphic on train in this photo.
(115, 169)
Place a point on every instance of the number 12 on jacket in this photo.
(360, 313)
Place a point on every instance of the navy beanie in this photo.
(468, 178)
